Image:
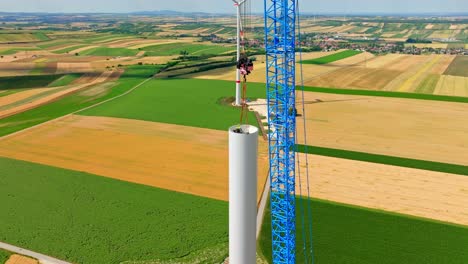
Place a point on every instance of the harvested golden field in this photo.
(355, 77)
(102, 64)
(421, 68)
(433, 195)
(383, 61)
(452, 85)
(409, 84)
(65, 67)
(443, 64)
(25, 56)
(19, 96)
(429, 26)
(406, 62)
(417, 129)
(441, 34)
(79, 50)
(183, 159)
(18, 259)
(354, 60)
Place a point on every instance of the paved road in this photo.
(43, 259)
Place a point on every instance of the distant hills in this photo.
(166, 13)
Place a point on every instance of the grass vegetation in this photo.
(333, 57)
(4, 256)
(41, 36)
(383, 159)
(391, 94)
(133, 76)
(97, 220)
(68, 49)
(15, 36)
(15, 50)
(345, 234)
(189, 102)
(52, 44)
(65, 80)
(110, 52)
(19, 82)
(191, 48)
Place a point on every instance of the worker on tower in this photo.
(245, 65)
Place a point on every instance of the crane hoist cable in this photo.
(244, 65)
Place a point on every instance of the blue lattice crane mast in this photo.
(280, 34)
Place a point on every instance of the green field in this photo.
(133, 76)
(192, 49)
(12, 36)
(333, 57)
(4, 256)
(16, 50)
(53, 43)
(65, 80)
(189, 102)
(19, 82)
(95, 220)
(11, 91)
(382, 159)
(111, 52)
(41, 36)
(351, 235)
(459, 67)
(68, 49)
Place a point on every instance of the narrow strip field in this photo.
(387, 160)
(34, 98)
(345, 234)
(18, 82)
(192, 49)
(96, 220)
(389, 94)
(332, 58)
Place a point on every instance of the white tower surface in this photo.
(243, 149)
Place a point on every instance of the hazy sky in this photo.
(225, 6)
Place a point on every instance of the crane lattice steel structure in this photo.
(280, 35)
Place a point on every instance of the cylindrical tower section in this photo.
(243, 149)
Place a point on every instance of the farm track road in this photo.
(86, 108)
(43, 259)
